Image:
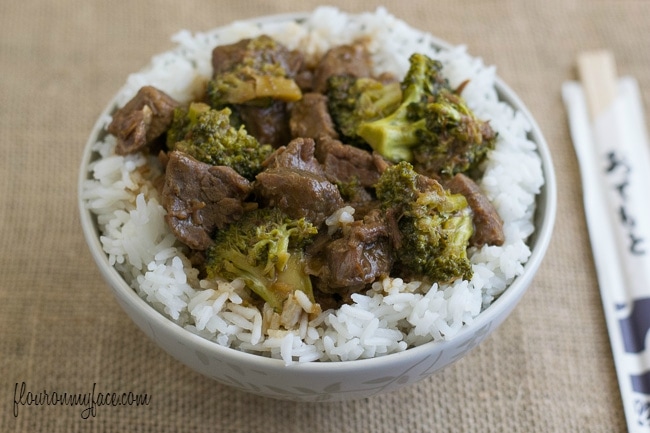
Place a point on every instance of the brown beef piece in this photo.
(200, 198)
(269, 124)
(344, 59)
(309, 117)
(305, 79)
(143, 119)
(426, 183)
(357, 258)
(299, 193)
(392, 216)
(488, 225)
(298, 154)
(225, 57)
(346, 163)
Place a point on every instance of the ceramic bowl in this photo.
(318, 381)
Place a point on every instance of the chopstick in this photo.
(610, 138)
(597, 72)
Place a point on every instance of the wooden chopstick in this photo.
(597, 71)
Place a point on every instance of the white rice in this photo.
(394, 315)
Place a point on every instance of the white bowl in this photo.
(318, 381)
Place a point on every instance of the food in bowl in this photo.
(339, 267)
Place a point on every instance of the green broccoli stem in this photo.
(392, 136)
(275, 286)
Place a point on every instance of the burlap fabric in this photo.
(547, 369)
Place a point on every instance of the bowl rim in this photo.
(545, 212)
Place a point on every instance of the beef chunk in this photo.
(488, 226)
(143, 119)
(310, 118)
(345, 163)
(226, 57)
(269, 123)
(299, 193)
(396, 237)
(381, 163)
(265, 118)
(299, 154)
(200, 198)
(360, 255)
(344, 59)
(425, 183)
(305, 79)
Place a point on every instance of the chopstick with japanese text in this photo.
(610, 138)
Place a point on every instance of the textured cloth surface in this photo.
(548, 368)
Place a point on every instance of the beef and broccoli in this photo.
(318, 177)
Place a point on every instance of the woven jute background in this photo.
(548, 368)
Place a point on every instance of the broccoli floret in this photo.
(461, 140)
(264, 249)
(395, 135)
(260, 72)
(207, 135)
(352, 101)
(434, 224)
(432, 126)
